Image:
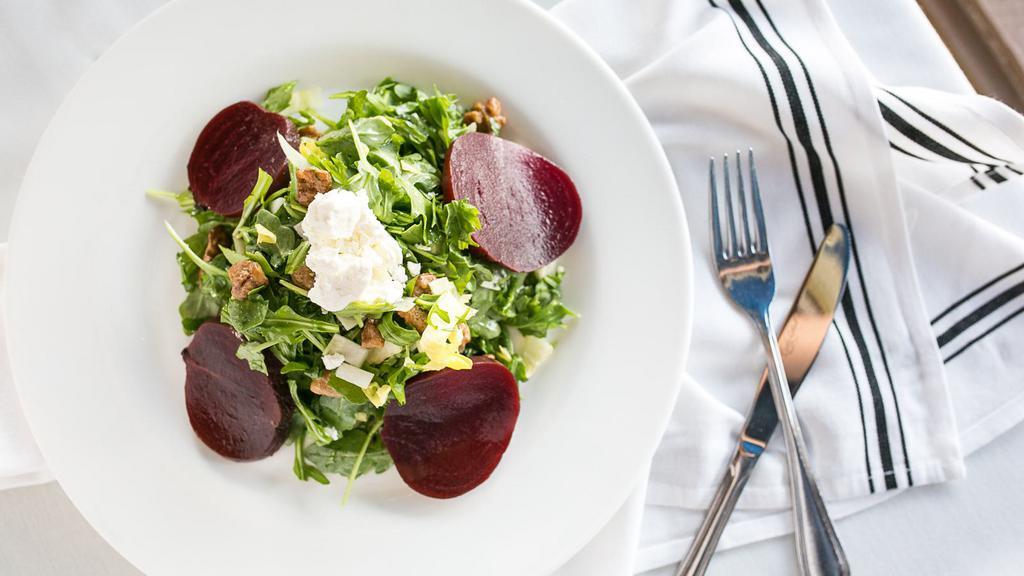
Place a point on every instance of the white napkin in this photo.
(901, 390)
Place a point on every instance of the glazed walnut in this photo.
(486, 115)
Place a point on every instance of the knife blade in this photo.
(800, 340)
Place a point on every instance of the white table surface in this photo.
(970, 527)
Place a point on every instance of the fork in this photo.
(745, 269)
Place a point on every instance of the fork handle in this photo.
(717, 516)
(819, 552)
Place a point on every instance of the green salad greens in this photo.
(389, 145)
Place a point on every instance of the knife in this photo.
(801, 338)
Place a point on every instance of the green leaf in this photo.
(396, 334)
(260, 259)
(297, 258)
(252, 352)
(184, 199)
(365, 308)
(278, 97)
(244, 315)
(285, 234)
(191, 254)
(232, 256)
(460, 219)
(340, 456)
(252, 201)
(197, 308)
(294, 368)
(341, 413)
(313, 425)
(285, 321)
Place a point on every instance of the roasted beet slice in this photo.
(455, 425)
(235, 143)
(240, 414)
(530, 211)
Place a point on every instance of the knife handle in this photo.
(815, 535)
(819, 552)
(717, 516)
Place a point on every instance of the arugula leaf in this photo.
(278, 97)
(284, 236)
(198, 307)
(244, 315)
(394, 333)
(252, 352)
(340, 456)
(297, 258)
(343, 414)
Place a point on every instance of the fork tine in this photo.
(716, 223)
(748, 246)
(733, 248)
(762, 233)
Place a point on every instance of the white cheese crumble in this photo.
(353, 256)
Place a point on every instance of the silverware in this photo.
(801, 337)
(744, 266)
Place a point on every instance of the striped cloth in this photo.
(921, 365)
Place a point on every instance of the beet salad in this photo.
(370, 288)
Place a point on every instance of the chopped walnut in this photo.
(309, 131)
(217, 236)
(466, 337)
(486, 115)
(309, 183)
(422, 285)
(304, 277)
(370, 337)
(245, 276)
(415, 317)
(320, 386)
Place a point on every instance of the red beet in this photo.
(530, 211)
(235, 143)
(455, 425)
(240, 414)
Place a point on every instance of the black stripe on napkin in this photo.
(804, 208)
(979, 337)
(918, 133)
(822, 192)
(977, 291)
(996, 303)
(904, 127)
(981, 313)
(897, 148)
(994, 174)
(944, 128)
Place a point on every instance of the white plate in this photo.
(92, 295)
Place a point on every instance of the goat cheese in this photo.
(353, 256)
